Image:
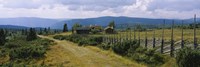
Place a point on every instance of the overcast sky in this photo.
(177, 9)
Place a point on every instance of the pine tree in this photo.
(31, 35)
(40, 31)
(2, 37)
(112, 24)
(45, 30)
(65, 29)
(49, 30)
(22, 31)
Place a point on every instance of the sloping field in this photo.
(69, 54)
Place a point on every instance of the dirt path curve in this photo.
(77, 56)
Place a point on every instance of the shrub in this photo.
(188, 57)
(122, 48)
(81, 39)
(27, 52)
(104, 46)
(2, 52)
(149, 57)
(11, 45)
(59, 37)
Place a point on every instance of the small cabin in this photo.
(83, 30)
(109, 30)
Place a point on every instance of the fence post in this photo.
(130, 34)
(139, 38)
(127, 32)
(146, 40)
(154, 39)
(134, 33)
(195, 39)
(172, 40)
(121, 36)
(182, 41)
(162, 43)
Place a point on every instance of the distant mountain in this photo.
(12, 27)
(29, 21)
(104, 21)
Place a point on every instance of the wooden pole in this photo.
(146, 40)
(172, 40)
(182, 41)
(127, 32)
(134, 33)
(121, 36)
(139, 38)
(154, 39)
(163, 31)
(130, 34)
(195, 39)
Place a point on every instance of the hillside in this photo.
(12, 27)
(103, 21)
(28, 21)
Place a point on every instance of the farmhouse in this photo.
(83, 30)
(109, 30)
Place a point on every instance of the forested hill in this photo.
(103, 21)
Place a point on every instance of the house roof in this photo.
(108, 28)
(83, 28)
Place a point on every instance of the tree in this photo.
(112, 24)
(75, 26)
(49, 30)
(31, 35)
(2, 37)
(65, 29)
(45, 30)
(40, 31)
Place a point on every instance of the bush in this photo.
(27, 52)
(11, 45)
(188, 57)
(59, 37)
(81, 39)
(149, 57)
(132, 50)
(122, 48)
(104, 46)
(2, 53)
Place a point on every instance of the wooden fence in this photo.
(120, 37)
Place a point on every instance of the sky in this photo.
(176, 9)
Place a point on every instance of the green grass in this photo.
(19, 51)
(188, 35)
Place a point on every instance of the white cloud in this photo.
(95, 8)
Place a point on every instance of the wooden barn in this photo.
(109, 30)
(83, 30)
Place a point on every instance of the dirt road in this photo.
(68, 54)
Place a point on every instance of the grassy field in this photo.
(188, 35)
(69, 54)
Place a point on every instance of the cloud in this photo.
(77, 4)
(94, 8)
(178, 5)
